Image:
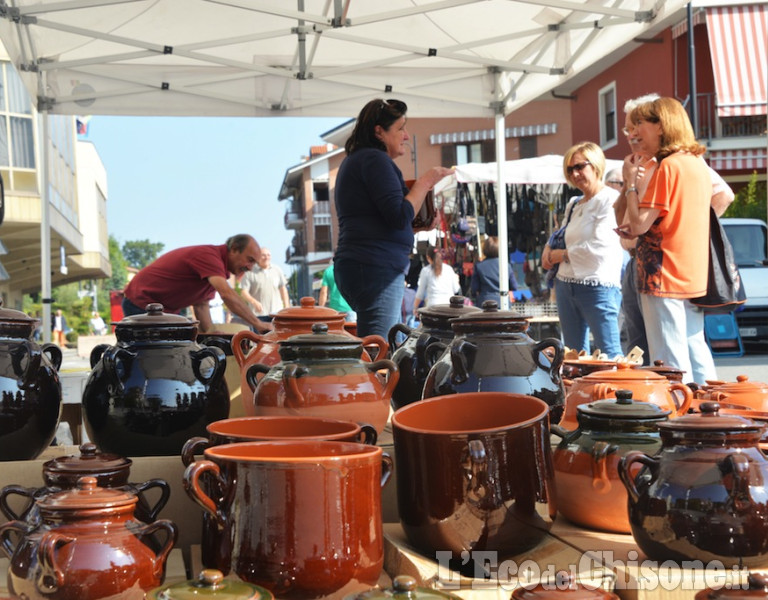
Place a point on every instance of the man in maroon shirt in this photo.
(192, 276)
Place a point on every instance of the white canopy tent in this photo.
(444, 58)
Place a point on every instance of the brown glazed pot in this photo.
(491, 352)
(411, 356)
(303, 518)
(210, 585)
(474, 472)
(110, 471)
(573, 367)
(673, 374)
(322, 375)
(646, 386)
(30, 390)
(702, 497)
(590, 492)
(156, 388)
(250, 348)
(755, 587)
(253, 429)
(564, 587)
(87, 547)
(742, 392)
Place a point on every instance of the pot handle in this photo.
(165, 493)
(392, 377)
(172, 535)
(54, 354)
(387, 466)
(565, 434)
(240, 341)
(423, 362)
(687, 398)
(460, 352)
(219, 364)
(51, 576)
(252, 371)
(368, 434)
(737, 465)
(600, 480)
(27, 492)
(625, 464)
(554, 367)
(432, 354)
(392, 335)
(379, 342)
(96, 354)
(34, 357)
(293, 396)
(194, 490)
(602, 391)
(193, 446)
(109, 359)
(6, 545)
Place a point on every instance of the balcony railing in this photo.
(711, 126)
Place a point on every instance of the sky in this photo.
(184, 181)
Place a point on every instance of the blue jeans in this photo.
(582, 308)
(634, 325)
(675, 330)
(374, 292)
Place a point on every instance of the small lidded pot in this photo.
(564, 587)
(586, 459)
(755, 587)
(87, 546)
(739, 393)
(702, 496)
(210, 584)
(403, 588)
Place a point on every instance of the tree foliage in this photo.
(139, 253)
(119, 266)
(750, 201)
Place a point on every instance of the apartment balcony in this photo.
(295, 255)
(293, 220)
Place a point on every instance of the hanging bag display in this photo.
(725, 290)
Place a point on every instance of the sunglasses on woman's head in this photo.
(578, 167)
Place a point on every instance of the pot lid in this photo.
(623, 372)
(155, 317)
(563, 588)
(87, 495)
(710, 419)
(210, 584)
(404, 588)
(320, 336)
(443, 312)
(308, 311)
(756, 587)
(659, 367)
(622, 407)
(491, 315)
(742, 385)
(8, 315)
(89, 461)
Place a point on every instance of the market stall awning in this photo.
(738, 41)
(733, 160)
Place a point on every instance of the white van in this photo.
(748, 238)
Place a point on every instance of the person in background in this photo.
(191, 276)
(587, 285)
(485, 278)
(97, 324)
(375, 211)
(613, 179)
(60, 328)
(658, 129)
(330, 295)
(265, 288)
(437, 281)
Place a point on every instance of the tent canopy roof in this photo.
(445, 58)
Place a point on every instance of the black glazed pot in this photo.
(30, 389)
(156, 388)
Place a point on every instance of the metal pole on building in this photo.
(692, 71)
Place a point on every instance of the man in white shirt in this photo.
(265, 287)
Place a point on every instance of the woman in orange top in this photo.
(671, 222)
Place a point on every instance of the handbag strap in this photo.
(570, 212)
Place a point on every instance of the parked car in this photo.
(748, 238)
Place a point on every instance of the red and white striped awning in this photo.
(738, 160)
(738, 41)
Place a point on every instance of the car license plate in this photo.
(748, 331)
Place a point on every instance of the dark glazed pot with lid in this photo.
(411, 355)
(30, 389)
(403, 588)
(492, 352)
(210, 583)
(154, 389)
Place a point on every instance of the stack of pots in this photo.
(30, 390)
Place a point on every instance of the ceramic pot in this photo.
(302, 519)
(755, 587)
(491, 352)
(30, 390)
(110, 471)
(250, 348)
(74, 553)
(564, 587)
(403, 588)
(646, 386)
(591, 494)
(742, 392)
(155, 389)
(573, 367)
(322, 375)
(474, 472)
(411, 356)
(210, 584)
(673, 374)
(702, 496)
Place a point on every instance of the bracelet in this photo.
(632, 189)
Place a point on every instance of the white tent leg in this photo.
(45, 231)
(501, 202)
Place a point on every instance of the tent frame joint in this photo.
(644, 16)
(45, 103)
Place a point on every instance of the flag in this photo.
(82, 125)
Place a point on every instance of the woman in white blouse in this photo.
(437, 282)
(588, 282)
